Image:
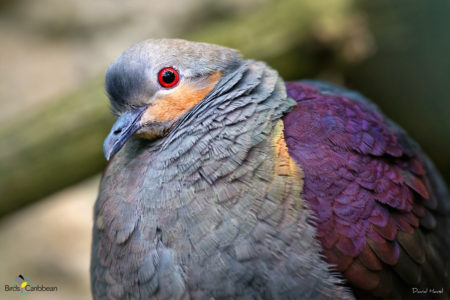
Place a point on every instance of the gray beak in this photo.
(127, 124)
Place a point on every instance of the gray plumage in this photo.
(201, 213)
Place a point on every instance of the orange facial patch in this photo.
(181, 99)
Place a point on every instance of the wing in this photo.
(383, 212)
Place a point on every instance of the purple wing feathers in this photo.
(370, 187)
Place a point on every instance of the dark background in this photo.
(54, 113)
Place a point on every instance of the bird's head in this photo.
(155, 82)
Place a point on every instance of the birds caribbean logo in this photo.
(22, 282)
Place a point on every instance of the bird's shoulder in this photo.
(382, 210)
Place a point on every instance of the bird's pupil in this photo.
(168, 76)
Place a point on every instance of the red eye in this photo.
(168, 77)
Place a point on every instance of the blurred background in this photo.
(54, 113)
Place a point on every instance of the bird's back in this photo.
(383, 212)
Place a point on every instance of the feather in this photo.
(372, 189)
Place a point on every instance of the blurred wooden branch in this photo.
(56, 146)
(61, 143)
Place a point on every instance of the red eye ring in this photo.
(168, 77)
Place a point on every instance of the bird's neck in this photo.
(229, 133)
(223, 175)
(239, 113)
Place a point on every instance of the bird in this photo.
(226, 182)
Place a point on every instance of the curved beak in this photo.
(127, 124)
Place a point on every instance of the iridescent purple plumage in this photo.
(375, 194)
